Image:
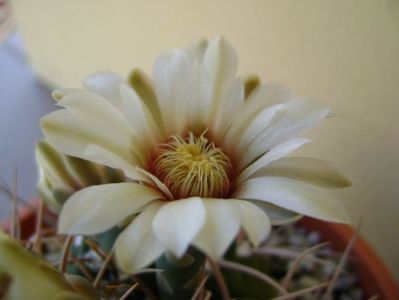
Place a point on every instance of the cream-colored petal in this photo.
(98, 114)
(62, 130)
(144, 88)
(275, 153)
(297, 196)
(311, 170)
(294, 119)
(157, 183)
(58, 94)
(137, 246)
(95, 110)
(258, 125)
(71, 135)
(231, 101)
(255, 222)
(276, 214)
(138, 116)
(170, 79)
(102, 156)
(265, 96)
(193, 85)
(90, 119)
(198, 99)
(106, 84)
(52, 165)
(98, 208)
(196, 50)
(220, 61)
(178, 222)
(221, 226)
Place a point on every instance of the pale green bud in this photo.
(25, 276)
(61, 175)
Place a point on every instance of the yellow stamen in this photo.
(192, 166)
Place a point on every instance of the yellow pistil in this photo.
(192, 166)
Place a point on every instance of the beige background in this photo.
(343, 53)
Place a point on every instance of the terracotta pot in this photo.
(27, 218)
(374, 277)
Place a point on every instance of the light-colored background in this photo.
(23, 99)
(344, 53)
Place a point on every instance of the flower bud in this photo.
(25, 276)
(61, 175)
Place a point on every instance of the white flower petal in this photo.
(275, 153)
(294, 119)
(264, 97)
(137, 246)
(105, 118)
(231, 101)
(102, 156)
(294, 195)
(178, 222)
(157, 183)
(72, 136)
(58, 94)
(95, 110)
(255, 222)
(258, 125)
(138, 116)
(184, 91)
(311, 170)
(221, 226)
(98, 208)
(170, 75)
(196, 50)
(144, 88)
(220, 61)
(90, 119)
(106, 84)
(198, 100)
(52, 166)
(276, 214)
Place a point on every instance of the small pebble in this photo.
(328, 268)
(356, 293)
(313, 238)
(308, 281)
(311, 272)
(345, 282)
(244, 249)
(297, 240)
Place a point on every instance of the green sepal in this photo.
(180, 277)
(52, 163)
(82, 286)
(61, 195)
(112, 175)
(143, 86)
(86, 173)
(66, 295)
(240, 285)
(250, 84)
(107, 239)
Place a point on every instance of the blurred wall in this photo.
(343, 53)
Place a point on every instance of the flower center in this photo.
(192, 166)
